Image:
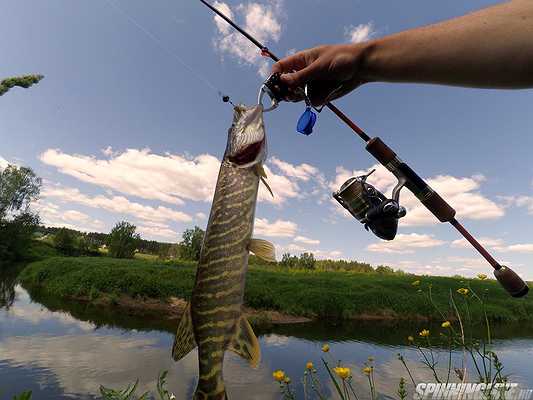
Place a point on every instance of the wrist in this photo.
(367, 56)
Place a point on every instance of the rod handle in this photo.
(511, 282)
(429, 198)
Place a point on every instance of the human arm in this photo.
(490, 48)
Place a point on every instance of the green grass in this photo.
(39, 250)
(340, 295)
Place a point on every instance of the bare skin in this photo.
(490, 48)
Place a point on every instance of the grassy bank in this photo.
(340, 295)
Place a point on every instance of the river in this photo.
(66, 350)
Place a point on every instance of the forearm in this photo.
(492, 47)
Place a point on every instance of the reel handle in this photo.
(511, 282)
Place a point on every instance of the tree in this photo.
(16, 236)
(123, 240)
(19, 186)
(192, 243)
(289, 261)
(307, 261)
(24, 81)
(384, 269)
(65, 242)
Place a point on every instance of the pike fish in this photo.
(213, 321)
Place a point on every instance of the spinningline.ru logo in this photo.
(472, 391)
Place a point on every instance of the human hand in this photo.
(331, 71)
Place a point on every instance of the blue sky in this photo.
(120, 128)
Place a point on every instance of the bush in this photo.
(64, 241)
(305, 261)
(16, 237)
(123, 240)
(191, 244)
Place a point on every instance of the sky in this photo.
(127, 124)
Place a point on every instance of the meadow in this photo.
(298, 292)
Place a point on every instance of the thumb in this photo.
(301, 77)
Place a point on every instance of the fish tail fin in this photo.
(184, 341)
(245, 343)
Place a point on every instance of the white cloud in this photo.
(497, 245)
(521, 201)
(262, 21)
(278, 228)
(200, 216)
(3, 163)
(518, 248)
(461, 193)
(359, 33)
(161, 231)
(485, 241)
(306, 240)
(282, 187)
(222, 26)
(302, 171)
(52, 215)
(169, 178)
(405, 243)
(115, 204)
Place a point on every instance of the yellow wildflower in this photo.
(343, 372)
(446, 324)
(309, 365)
(278, 375)
(287, 380)
(463, 291)
(424, 333)
(416, 283)
(367, 370)
(325, 348)
(410, 339)
(482, 277)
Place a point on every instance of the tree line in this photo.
(20, 228)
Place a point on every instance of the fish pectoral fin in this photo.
(260, 170)
(263, 249)
(184, 341)
(245, 343)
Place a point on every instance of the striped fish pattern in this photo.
(214, 321)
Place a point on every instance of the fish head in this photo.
(246, 138)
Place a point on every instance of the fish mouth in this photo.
(249, 155)
(247, 139)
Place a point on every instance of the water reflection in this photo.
(66, 350)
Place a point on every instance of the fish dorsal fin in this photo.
(263, 249)
(260, 170)
(184, 341)
(245, 343)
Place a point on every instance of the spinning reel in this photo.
(371, 207)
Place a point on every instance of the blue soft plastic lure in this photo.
(306, 122)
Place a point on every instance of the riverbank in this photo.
(272, 294)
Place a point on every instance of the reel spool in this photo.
(370, 207)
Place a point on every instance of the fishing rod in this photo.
(364, 201)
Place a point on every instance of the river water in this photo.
(65, 350)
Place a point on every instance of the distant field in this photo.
(339, 295)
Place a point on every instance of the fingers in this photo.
(291, 63)
(301, 77)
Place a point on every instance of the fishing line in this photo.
(168, 50)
